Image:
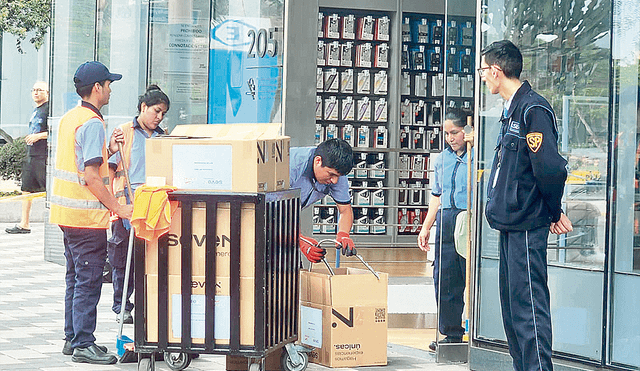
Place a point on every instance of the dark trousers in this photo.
(85, 251)
(448, 275)
(524, 297)
(117, 250)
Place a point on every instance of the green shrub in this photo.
(11, 157)
(12, 193)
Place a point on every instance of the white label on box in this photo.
(202, 166)
(222, 320)
(311, 326)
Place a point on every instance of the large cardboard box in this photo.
(266, 130)
(230, 157)
(344, 317)
(222, 309)
(198, 242)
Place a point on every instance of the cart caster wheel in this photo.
(144, 364)
(288, 365)
(177, 361)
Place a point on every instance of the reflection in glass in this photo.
(178, 61)
(565, 47)
(566, 51)
(120, 33)
(625, 340)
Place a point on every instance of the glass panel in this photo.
(179, 64)
(625, 344)
(565, 47)
(121, 46)
(74, 34)
(245, 80)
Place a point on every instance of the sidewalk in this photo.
(32, 312)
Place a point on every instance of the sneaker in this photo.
(67, 350)
(94, 355)
(128, 318)
(17, 230)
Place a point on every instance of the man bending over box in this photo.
(320, 171)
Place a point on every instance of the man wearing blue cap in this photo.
(81, 205)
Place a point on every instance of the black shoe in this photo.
(17, 230)
(446, 340)
(94, 355)
(451, 340)
(128, 318)
(67, 350)
(433, 346)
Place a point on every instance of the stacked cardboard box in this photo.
(344, 317)
(235, 157)
(198, 269)
(226, 158)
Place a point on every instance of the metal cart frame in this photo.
(276, 296)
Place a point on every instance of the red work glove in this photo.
(311, 250)
(348, 247)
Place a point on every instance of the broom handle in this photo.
(127, 270)
(469, 188)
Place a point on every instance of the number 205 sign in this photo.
(253, 35)
(245, 77)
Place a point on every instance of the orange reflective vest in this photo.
(120, 182)
(72, 203)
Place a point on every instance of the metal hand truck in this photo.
(276, 289)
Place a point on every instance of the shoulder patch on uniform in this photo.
(534, 141)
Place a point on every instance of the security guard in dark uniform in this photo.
(524, 203)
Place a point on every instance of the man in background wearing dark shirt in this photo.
(34, 167)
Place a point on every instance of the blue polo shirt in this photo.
(90, 139)
(450, 179)
(301, 176)
(137, 174)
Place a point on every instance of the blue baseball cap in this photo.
(91, 72)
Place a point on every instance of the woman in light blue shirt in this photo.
(448, 199)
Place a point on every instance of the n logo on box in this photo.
(348, 322)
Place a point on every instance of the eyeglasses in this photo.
(38, 90)
(482, 70)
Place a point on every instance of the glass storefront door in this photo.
(178, 59)
(594, 270)
(624, 335)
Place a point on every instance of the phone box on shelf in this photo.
(347, 327)
(227, 158)
(222, 308)
(346, 54)
(348, 27)
(332, 27)
(346, 81)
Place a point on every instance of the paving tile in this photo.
(32, 309)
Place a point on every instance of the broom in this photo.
(126, 355)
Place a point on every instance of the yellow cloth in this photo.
(152, 211)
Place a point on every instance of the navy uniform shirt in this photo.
(528, 174)
(301, 176)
